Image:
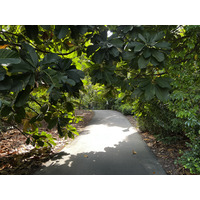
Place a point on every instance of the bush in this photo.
(157, 119)
(191, 159)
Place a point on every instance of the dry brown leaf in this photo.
(133, 151)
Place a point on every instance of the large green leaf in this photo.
(144, 82)
(8, 56)
(22, 97)
(163, 45)
(139, 47)
(137, 93)
(159, 56)
(91, 49)
(2, 73)
(6, 83)
(147, 53)
(32, 56)
(131, 45)
(99, 56)
(142, 38)
(113, 51)
(142, 63)
(50, 58)
(128, 55)
(158, 36)
(21, 67)
(162, 93)
(20, 81)
(61, 31)
(163, 82)
(117, 42)
(149, 91)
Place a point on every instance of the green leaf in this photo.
(46, 27)
(91, 49)
(159, 56)
(60, 130)
(142, 38)
(28, 141)
(149, 91)
(142, 63)
(158, 36)
(1, 103)
(70, 82)
(147, 53)
(2, 73)
(31, 53)
(113, 51)
(61, 31)
(131, 45)
(21, 67)
(163, 45)
(144, 82)
(6, 83)
(162, 93)
(117, 42)
(31, 31)
(139, 47)
(69, 107)
(40, 143)
(163, 82)
(44, 108)
(137, 93)
(50, 58)
(99, 56)
(128, 55)
(8, 56)
(23, 97)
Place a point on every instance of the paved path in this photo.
(105, 148)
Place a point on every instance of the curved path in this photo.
(109, 145)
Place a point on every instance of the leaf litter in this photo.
(18, 158)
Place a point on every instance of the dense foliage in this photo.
(47, 71)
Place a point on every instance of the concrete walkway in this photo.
(105, 147)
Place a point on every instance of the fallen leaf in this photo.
(134, 152)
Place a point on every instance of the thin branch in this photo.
(36, 48)
(32, 98)
(14, 127)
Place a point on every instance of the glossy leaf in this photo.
(162, 93)
(61, 31)
(8, 56)
(159, 56)
(142, 63)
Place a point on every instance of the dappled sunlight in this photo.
(98, 138)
